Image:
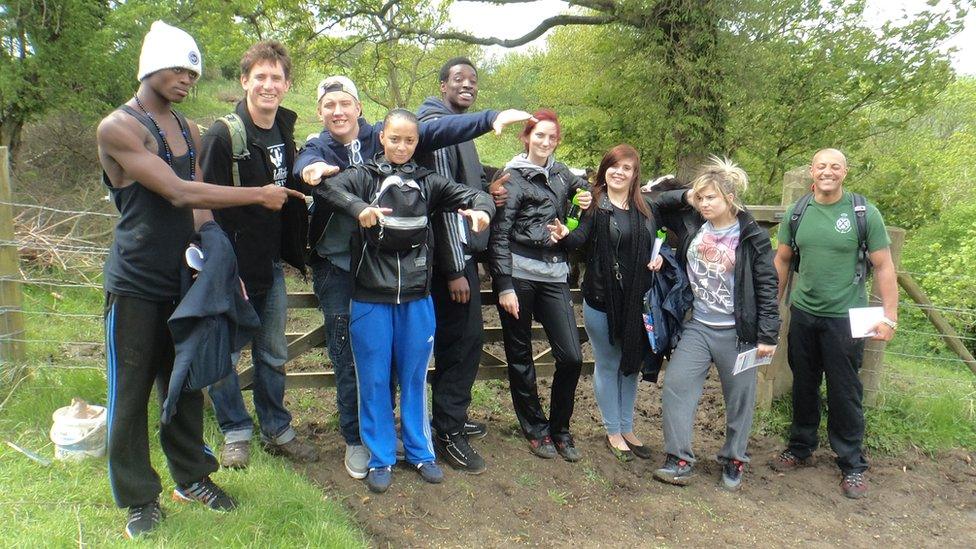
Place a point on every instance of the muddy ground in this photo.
(914, 500)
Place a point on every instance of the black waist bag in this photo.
(406, 226)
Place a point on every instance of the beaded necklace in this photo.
(162, 136)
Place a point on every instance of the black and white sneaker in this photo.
(474, 429)
(456, 451)
(207, 493)
(143, 519)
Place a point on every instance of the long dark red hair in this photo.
(548, 115)
(617, 154)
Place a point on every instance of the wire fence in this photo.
(44, 321)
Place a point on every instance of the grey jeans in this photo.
(700, 345)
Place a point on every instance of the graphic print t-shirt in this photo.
(711, 272)
(274, 143)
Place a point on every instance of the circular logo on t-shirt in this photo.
(194, 58)
(843, 224)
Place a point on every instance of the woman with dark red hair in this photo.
(619, 232)
(529, 272)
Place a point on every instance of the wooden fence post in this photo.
(776, 378)
(11, 296)
(872, 367)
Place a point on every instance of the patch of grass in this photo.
(924, 404)
(594, 477)
(485, 396)
(526, 480)
(559, 498)
(70, 503)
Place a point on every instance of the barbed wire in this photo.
(66, 248)
(57, 210)
(958, 310)
(922, 357)
(89, 343)
(48, 282)
(5, 310)
(933, 334)
(939, 275)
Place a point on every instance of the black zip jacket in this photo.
(521, 226)
(598, 276)
(460, 163)
(385, 276)
(755, 306)
(259, 235)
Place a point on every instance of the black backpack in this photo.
(863, 267)
(406, 227)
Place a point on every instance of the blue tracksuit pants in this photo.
(384, 336)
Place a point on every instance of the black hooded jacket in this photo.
(755, 305)
(394, 277)
(259, 235)
(460, 163)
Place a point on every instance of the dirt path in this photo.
(914, 501)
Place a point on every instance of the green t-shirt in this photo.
(827, 239)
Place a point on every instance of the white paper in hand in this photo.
(194, 257)
(747, 360)
(864, 319)
(658, 242)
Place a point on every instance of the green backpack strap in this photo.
(238, 143)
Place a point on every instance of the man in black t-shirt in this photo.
(262, 240)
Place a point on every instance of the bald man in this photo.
(827, 285)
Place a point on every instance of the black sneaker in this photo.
(143, 519)
(675, 471)
(567, 449)
(732, 474)
(474, 429)
(207, 493)
(456, 451)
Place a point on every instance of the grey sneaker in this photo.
(357, 461)
(295, 450)
(675, 471)
(236, 455)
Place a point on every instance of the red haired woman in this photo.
(529, 272)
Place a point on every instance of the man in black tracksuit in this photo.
(262, 240)
(455, 284)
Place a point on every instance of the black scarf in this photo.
(625, 298)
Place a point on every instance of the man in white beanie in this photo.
(149, 162)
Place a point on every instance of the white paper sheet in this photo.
(194, 257)
(658, 242)
(864, 319)
(747, 360)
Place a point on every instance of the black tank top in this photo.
(151, 235)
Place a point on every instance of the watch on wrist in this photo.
(889, 323)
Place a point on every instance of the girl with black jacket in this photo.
(620, 233)
(391, 314)
(529, 273)
(729, 261)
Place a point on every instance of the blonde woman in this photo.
(729, 261)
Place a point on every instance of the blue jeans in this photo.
(388, 338)
(269, 352)
(333, 288)
(615, 392)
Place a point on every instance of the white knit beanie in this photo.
(167, 47)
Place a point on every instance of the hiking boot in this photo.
(854, 485)
(456, 451)
(787, 461)
(207, 493)
(357, 461)
(732, 474)
(143, 519)
(567, 449)
(430, 472)
(295, 450)
(675, 471)
(235, 455)
(542, 447)
(379, 479)
(474, 429)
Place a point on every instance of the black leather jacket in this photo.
(521, 226)
(394, 277)
(756, 309)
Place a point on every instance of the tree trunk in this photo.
(11, 130)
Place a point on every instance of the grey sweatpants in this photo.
(700, 345)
